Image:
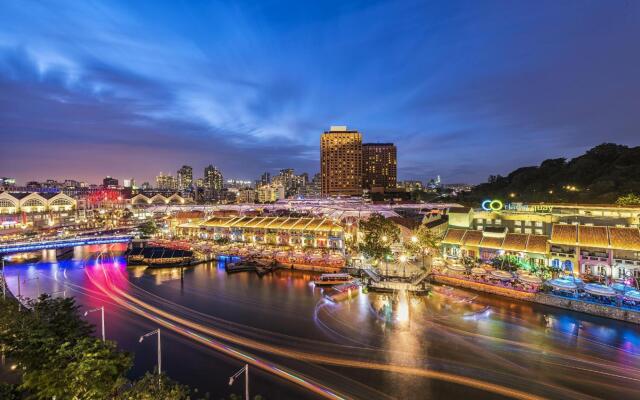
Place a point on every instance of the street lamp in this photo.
(159, 350)
(101, 309)
(37, 279)
(4, 281)
(244, 369)
(403, 260)
(386, 261)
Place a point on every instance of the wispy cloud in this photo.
(465, 90)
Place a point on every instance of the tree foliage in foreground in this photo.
(58, 358)
(150, 388)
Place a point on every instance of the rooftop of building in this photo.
(275, 223)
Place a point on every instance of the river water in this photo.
(534, 349)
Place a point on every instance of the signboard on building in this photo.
(497, 205)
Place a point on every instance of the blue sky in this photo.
(465, 89)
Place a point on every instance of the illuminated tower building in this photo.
(213, 183)
(379, 166)
(166, 182)
(185, 177)
(341, 162)
(109, 182)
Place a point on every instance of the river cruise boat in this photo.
(333, 279)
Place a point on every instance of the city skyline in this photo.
(148, 88)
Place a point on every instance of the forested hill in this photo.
(601, 175)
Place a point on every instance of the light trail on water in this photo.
(146, 310)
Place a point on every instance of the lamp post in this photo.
(37, 279)
(159, 351)
(414, 240)
(386, 261)
(4, 282)
(244, 369)
(101, 309)
(403, 260)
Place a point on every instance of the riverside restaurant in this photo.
(277, 231)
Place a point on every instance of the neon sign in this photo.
(492, 205)
(497, 205)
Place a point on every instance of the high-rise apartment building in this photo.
(341, 162)
(185, 177)
(107, 182)
(265, 178)
(213, 183)
(166, 182)
(379, 166)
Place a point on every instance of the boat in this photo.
(333, 279)
(342, 292)
(158, 257)
(596, 289)
(633, 296)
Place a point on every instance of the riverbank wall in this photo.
(600, 310)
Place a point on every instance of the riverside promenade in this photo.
(573, 304)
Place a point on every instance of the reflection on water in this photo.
(547, 351)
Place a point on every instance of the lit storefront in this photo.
(596, 240)
(276, 231)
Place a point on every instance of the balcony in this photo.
(561, 254)
(626, 260)
(594, 256)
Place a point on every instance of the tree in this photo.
(630, 199)
(379, 234)
(9, 392)
(148, 228)
(148, 388)
(86, 369)
(423, 242)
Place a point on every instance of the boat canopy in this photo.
(562, 284)
(597, 289)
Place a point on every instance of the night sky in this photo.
(465, 89)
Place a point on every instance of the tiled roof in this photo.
(564, 234)
(472, 238)
(491, 242)
(296, 224)
(625, 238)
(593, 236)
(537, 244)
(515, 242)
(408, 223)
(511, 242)
(454, 236)
(18, 195)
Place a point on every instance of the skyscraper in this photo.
(341, 162)
(265, 179)
(379, 166)
(185, 177)
(213, 183)
(166, 182)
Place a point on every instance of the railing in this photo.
(372, 274)
(418, 279)
(58, 244)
